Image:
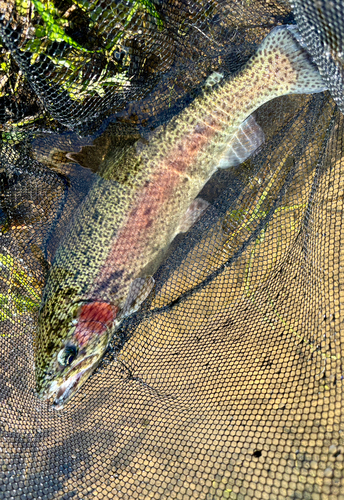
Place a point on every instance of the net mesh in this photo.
(227, 383)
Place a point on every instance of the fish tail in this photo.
(295, 70)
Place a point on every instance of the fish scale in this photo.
(120, 229)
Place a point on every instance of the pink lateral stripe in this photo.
(162, 185)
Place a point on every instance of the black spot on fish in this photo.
(113, 281)
(114, 288)
(117, 274)
(50, 347)
(110, 284)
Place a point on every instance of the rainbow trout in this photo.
(99, 273)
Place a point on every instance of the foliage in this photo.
(23, 290)
(82, 69)
(52, 30)
(75, 58)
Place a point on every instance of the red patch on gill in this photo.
(94, 318)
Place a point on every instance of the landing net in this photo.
(228, 382)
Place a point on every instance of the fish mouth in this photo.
(72, 382)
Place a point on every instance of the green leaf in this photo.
(131, 13)
(14, 304)
(6, 314)
(24, 304)
(19, 276)
(6, 63)
(3, 299)
(5, 311)
(153, 12)
(54, 31)
(40, 31)
(22, 7)
(6, 261)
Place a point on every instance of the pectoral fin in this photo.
(139, 290)
(193, 214)
(243, 143)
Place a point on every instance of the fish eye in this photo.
(67, 355)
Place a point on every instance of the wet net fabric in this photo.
(228, 382)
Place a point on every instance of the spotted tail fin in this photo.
(295, 71)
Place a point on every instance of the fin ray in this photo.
(192, 215)
(139, 290)
(246, 140)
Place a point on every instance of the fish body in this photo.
(98, 275)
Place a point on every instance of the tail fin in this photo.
(302, 75)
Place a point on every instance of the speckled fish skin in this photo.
(120, 229)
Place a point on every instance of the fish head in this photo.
(72, 338)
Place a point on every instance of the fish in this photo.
(103, 269)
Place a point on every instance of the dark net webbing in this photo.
(228, 382)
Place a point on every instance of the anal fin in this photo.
(195, 211)
(243, 143)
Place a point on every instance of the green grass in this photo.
(23, 293)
